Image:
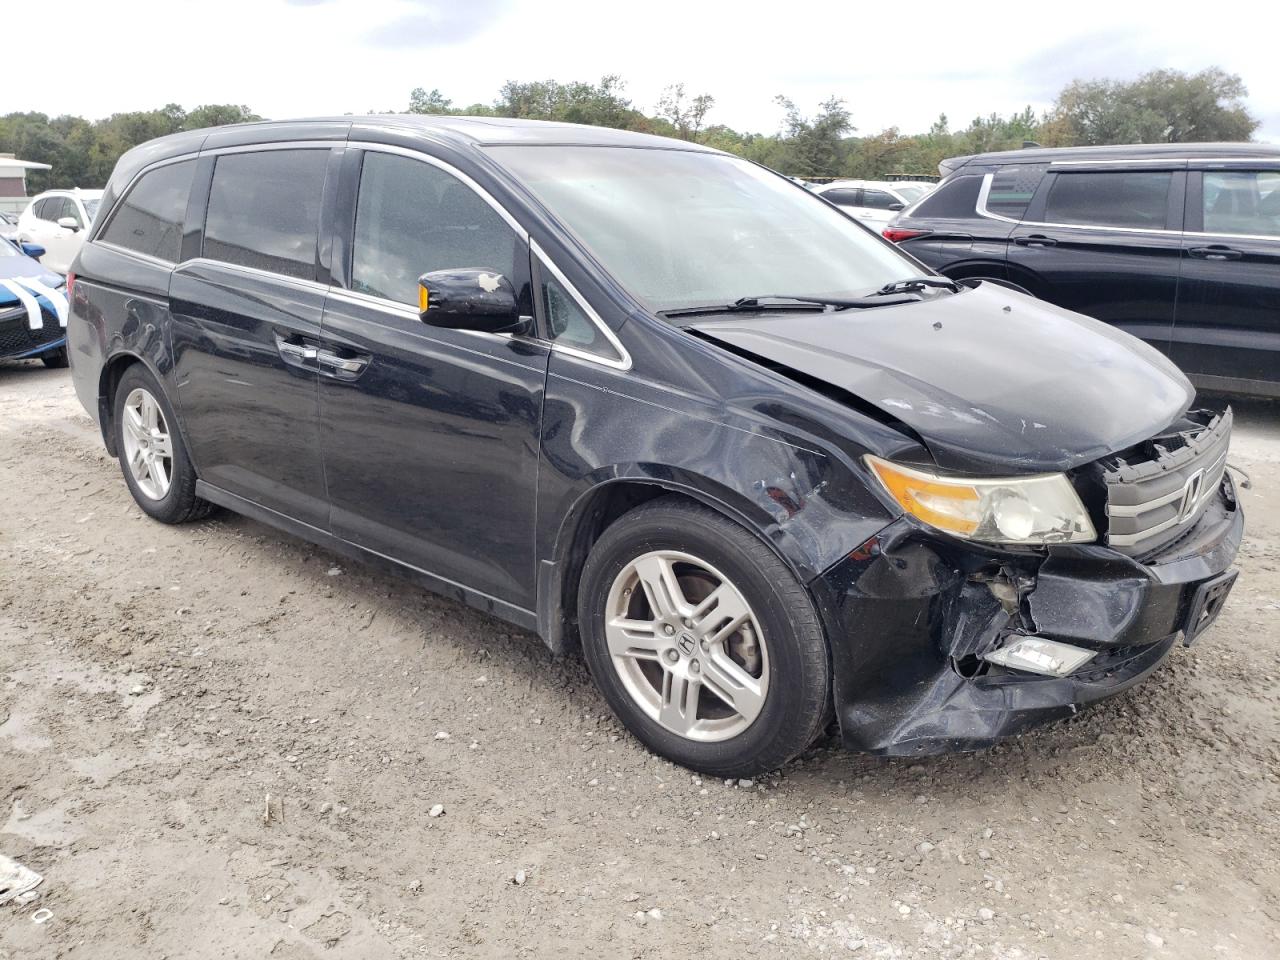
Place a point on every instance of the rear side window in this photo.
(264, 210)
(1135, 198)
(413, 218)
(955, 199)
(1243, 202)
(149, 218)
(1012, 188)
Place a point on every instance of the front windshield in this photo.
(684, 229)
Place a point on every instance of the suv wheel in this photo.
(703, 641)
(151, 452)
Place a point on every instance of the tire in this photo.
(780, 693)
(57, 359)
(175, 500)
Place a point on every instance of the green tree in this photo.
(1162, 106)
(685, 114)
(420, 101)
(815, 146)
(600, 105)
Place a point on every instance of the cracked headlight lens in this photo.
(1026, 510)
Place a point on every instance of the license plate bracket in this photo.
(1207, 603)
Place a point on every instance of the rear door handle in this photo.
(296, 353)
(1216, 252)
(1035, 240)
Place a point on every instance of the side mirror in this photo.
(33, 250)
(468, 300)
(69, 223)
(897, 206)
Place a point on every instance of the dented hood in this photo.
(991, 380)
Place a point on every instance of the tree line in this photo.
(1162, 106)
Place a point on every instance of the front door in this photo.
(1227, 330)
(246, 323)
(1106, 243)
(430, 436)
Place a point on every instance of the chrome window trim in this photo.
(623, 359)
(1273, 238)
(406, 312)
(299, 282)
(136, 254)
(982, 211)
(1174, 163)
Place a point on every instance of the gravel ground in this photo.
(219, 741)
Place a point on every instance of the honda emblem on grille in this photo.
(1190, 496)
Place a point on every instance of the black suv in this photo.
(655, 400)
(1178, 244)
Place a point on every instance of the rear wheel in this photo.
(703, 641)
(56, 358)
(151, 452)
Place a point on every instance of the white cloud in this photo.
(893, 67)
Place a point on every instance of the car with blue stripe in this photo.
(33, 306)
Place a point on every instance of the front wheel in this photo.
(703, 641)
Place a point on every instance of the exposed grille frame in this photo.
(17, 337)
(1153, 502)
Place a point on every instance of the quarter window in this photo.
(1012, 188)
(955, 198)
(413, 218)
(568, 323)
(149, 219)
(1243, 202)
(264, 210)
(1120, 199)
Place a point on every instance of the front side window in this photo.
(413, 218)
(150, 217)
(1120, 199)
(1012, 188)
(264, 210)
(879, 199)
(1242, 202)
(682, 229)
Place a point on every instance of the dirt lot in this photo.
(157, 684)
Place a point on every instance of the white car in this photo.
(871, 202)
(58, 221)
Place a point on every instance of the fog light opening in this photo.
(1048, 658)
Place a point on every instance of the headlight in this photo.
(1043, 509)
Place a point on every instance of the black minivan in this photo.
(1178, 244)
(662, 404)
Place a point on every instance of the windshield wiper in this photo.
(917, 283)
(767, 302)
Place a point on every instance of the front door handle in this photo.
(347, 368)
(1216, 252)
(1035, 240)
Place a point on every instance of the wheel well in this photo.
(107, 384)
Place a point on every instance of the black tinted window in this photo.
(1120, 199)
(264, 210)
(845, 195)
(1012, 189)
(53, 209)
(149, 218)
(953, 199)
(413, 218)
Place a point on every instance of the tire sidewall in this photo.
(783, 717)
(173, 504)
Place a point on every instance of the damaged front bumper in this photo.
(912, 614)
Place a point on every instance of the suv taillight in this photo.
(71, 278)
(898, 234)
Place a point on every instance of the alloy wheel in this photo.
(148, 446)
(687, 646)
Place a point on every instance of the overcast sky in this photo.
(894, 63)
